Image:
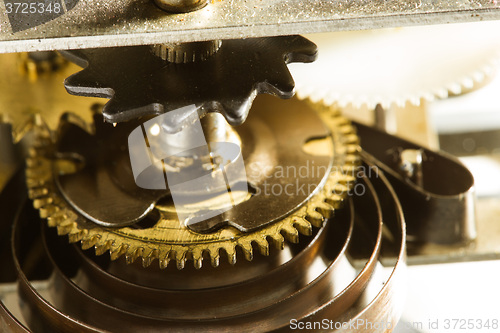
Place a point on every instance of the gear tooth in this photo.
(246, 247)
(65, 227)
(197, 257)
(198, 263)
(132, 254)
(100, 249)
(352, 139)
(281, 83)
(302, 225)
(164, 262)
(33, 162)
(42, 202)
(148, 257)
(291, 234)
(37, 193)
(88, 242)
(33, 173)
(47, 211)
(336, 201)
(278, 241)
(35, 182)
(349, 173)
(75, 236)
(315, 217)
(324, 208)
(352, 159)
(231, 254)
(165, 257)
(117, 251)
(180, 258)
(263, 245)
(468, 82)
(214, 257)
(56, 219)
(455, 88)
(345, 128)
(181, 263)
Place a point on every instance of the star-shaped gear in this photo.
(140, 83)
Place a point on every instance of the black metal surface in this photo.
(140, 83)
(441, 210)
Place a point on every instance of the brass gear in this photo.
(168, 239)
(32, 90)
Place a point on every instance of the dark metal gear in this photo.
(140, 83)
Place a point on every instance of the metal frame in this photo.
(106, 23)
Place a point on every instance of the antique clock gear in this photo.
(167, 239)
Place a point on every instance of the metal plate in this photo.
(105, 23)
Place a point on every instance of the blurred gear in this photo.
(168, 239)
(29, 90)
(39, 63)
(139, 83)
(395, 66)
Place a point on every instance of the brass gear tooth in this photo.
(336, 201)
(325, 209)
(148, 257)
(132, 254)
(165, 258)
(214, 257)
(263, 245)
(34, 161)
(56, 219)
(302, 225)
(47, 210)
(180, 258)
(352, 159)
(352, 148)
(65, 227)
(246, 247)
(278, 240)
(37, 193)
(75, 236)
(315, 217)
(290, 233)
(351, 139)
(230, 250)
(103, 247)
(32, 183)
(41, 202)
(147, 261)
(89, 241)
(164, 263)
(116, 251)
